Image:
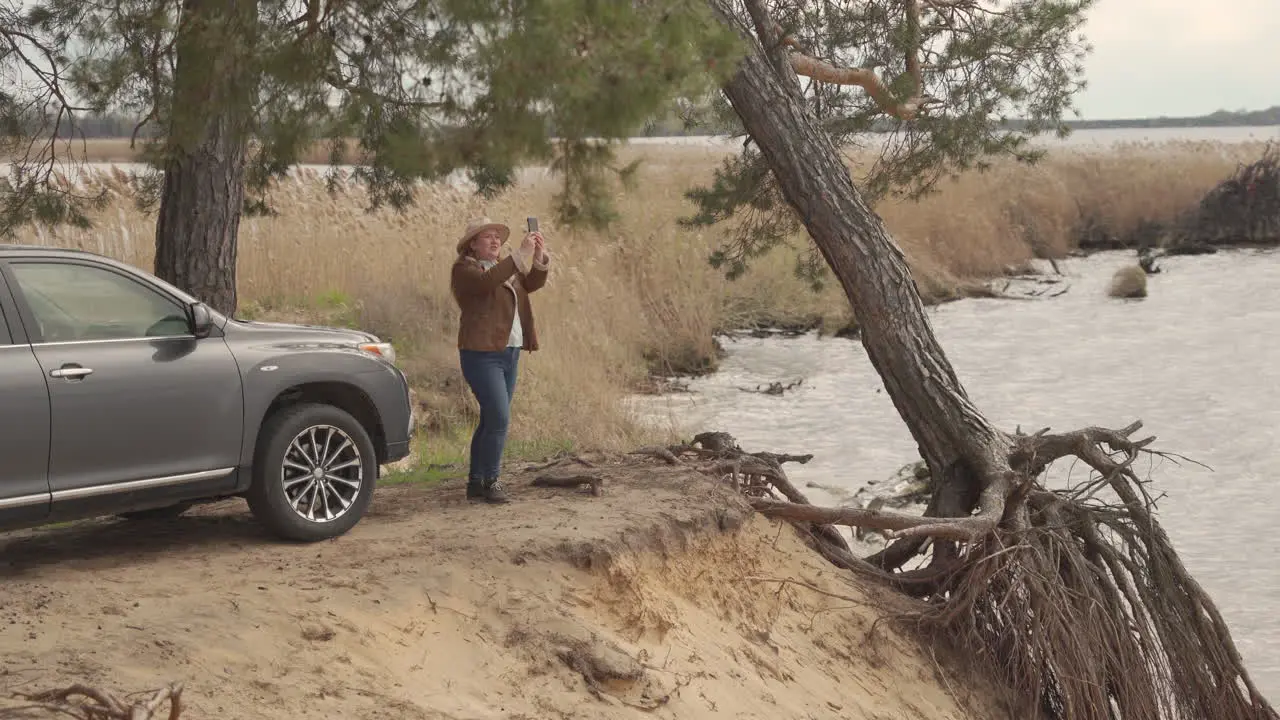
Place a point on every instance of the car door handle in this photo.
(71, 373)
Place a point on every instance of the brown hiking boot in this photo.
(496, 494)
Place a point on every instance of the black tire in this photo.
(267, 496)
(161, 513)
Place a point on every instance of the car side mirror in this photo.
(201, 320)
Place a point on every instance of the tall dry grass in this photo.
(118, 150)
(642, 293)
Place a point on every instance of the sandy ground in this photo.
(659, 598)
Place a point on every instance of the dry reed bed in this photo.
(642, 289)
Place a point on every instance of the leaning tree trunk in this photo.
(1080, 603)
(204, 167)
(964, 452)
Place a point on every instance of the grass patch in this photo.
(444, 455)
(424, 476)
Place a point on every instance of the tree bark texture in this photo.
(961, 447)
(204, 166)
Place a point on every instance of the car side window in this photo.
(73, 302)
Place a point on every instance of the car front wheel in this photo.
(314, 473)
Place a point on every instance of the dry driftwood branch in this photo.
(90, 703)
(773, 388)
(661, 453)
(781, 458)
(595, 480)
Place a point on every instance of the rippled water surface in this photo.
(1196, 361)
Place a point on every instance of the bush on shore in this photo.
(1129, 282)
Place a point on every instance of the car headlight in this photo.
(381, 349)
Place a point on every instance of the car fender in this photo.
(269, 378)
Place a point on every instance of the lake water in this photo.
(1197, 361)
(1097, 140)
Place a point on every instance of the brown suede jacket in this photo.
(488, 308)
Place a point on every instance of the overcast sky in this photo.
(1181, 57)
(1176, 57)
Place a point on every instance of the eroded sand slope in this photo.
(658, 599)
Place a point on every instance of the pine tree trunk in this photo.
(963, 450)
(207, 149)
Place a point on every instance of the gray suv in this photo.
(122, 395)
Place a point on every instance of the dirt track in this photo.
(654, 598)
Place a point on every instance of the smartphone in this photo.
(533, 224)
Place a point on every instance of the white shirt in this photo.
(516, 339)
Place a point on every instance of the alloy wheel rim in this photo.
(322, 473)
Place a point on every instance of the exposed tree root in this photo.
(1075, 597)
(760, 476)
(595, 481)
(564, 460)
(1097, 613)
(89, 703)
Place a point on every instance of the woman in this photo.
(496, 324)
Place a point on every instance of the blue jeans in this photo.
(492, 377)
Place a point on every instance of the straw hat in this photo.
(477, 226)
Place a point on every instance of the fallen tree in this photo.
(1080, 604)
(1243, 209)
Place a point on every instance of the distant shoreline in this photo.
(1257, 118)
(118, 128)
(1206, 123)
(1144, 123)
(1221, 119)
